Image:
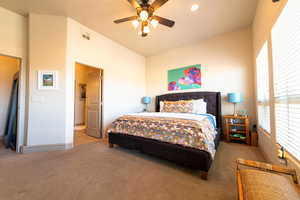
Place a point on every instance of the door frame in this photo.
(21, 98)
(101, 95)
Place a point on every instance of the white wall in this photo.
(8, 68)
(226, 67)
(47, 51)
(13, 42)
(55, 43)
(266, 15)
(13, 34)
(124, 74)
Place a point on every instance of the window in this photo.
(262, 76)
(286, 69)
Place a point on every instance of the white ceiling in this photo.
(213, 17)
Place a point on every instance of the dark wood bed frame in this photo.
(189, 157)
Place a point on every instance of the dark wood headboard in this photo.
(213, 100)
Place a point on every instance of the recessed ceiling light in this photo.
(194, 7)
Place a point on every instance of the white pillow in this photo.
(161, 106)
(199, 106)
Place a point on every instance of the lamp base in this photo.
(146, 108)
(234, 112)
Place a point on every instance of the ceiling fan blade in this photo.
(126, 19)
(158, 3)
(164, 21)
(134, 3)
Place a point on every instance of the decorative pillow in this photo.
(177, 106)
(199, 106)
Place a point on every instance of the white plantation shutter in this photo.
(286, 69)
(263, 92)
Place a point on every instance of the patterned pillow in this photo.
(177, 106)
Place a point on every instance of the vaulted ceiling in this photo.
(212, 18)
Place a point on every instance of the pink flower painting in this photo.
(184, 78)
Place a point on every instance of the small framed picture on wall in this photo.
(47, 80)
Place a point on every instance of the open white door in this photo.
(93, 101)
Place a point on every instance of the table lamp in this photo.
(146, 100)
(235, 98)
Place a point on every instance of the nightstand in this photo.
(237, 128)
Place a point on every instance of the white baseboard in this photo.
(45, 148)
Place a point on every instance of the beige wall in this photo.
(123, 73)
(266, 15)
(55, 43)
(13, 42)
(8, 68)
(13, 33)
(226, 67)
(47, 51)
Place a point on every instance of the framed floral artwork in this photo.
(184, 78)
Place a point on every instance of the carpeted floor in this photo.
(4, 152)
(94, 171)
(82, 138)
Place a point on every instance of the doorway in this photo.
(88, 104)
(9, 101)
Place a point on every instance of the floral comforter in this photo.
(189, 130)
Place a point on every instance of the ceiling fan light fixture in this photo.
(154, 23)
(194, 7)
(135, 23)
(144, 15)
(146, 29)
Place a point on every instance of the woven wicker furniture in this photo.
(262, 181)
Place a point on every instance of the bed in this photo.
(188, 156)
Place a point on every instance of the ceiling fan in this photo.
(145, 16)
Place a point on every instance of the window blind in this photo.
(263, 92)
(286, 69)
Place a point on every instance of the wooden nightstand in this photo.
(237, 128)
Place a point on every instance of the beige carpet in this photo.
(81, 137)
(4, 152)
(94, 171)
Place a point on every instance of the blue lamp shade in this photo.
(146, 100)
(235, 98)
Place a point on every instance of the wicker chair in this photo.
(262, 181)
